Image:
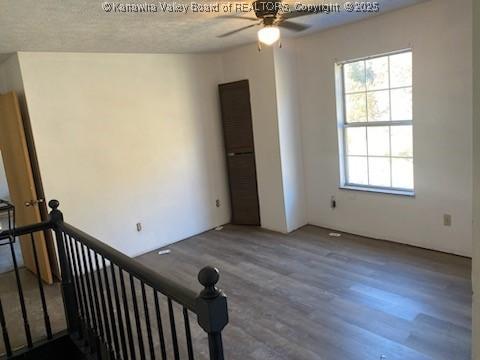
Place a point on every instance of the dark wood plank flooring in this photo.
(310, 296)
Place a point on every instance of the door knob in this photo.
(34, 202)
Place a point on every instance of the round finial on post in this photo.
(209, 277)
(56, 215)
(212, 310)
(54, 204)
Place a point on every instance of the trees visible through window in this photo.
(376, 122)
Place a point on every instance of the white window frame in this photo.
(342, 125)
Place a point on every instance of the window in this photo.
(375, 123)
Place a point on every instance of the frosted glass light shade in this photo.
(268, 35)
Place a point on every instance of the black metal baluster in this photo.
(6, 338)
(173, 330)
(137, 318)
(75, 278)
(93, 336)
(127, 316)
(147, 322)
(188, 333)
(104, 307)
(159, 325)
(89, 289)
(119, 312)
(110, 308)
(46, 318)
(26, 325)
(95, 295)
(82, 275)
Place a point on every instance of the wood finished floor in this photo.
(310, 296)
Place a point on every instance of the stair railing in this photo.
(112, 301)
(7, 238)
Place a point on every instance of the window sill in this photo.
(378, 190)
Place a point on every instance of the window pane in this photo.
(357, 170)
(402, 173)
(378, 141)
(378, 103)
(356, 108)
(402, 141)
(378, 91)
(356, 140)
(402, 104)
(379, 171)
(354, 76)
(401, 70)
(377, 73)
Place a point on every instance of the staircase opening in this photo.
(113, 306)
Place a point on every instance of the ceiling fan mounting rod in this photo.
(269, 20)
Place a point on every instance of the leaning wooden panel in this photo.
(20, 182)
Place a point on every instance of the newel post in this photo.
(68, 290)
(212, 310)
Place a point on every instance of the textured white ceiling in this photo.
(83, 26)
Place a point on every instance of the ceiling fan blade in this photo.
(295, 14)
(293, 26)
(237, 17)
(235, 31)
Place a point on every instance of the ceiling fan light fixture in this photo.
(268, 35)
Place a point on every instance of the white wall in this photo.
(288, 112)
(145, 123)
(93, 94)
(124, 138)
(258, 67)
(442, 106)
(476, 182)
(10, 75)
(10, 80)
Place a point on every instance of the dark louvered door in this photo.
(238, 133)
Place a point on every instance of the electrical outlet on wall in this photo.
(217, 203)
(139, 227)
(447, 219)
(333, 202)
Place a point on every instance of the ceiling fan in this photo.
(272, 14)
